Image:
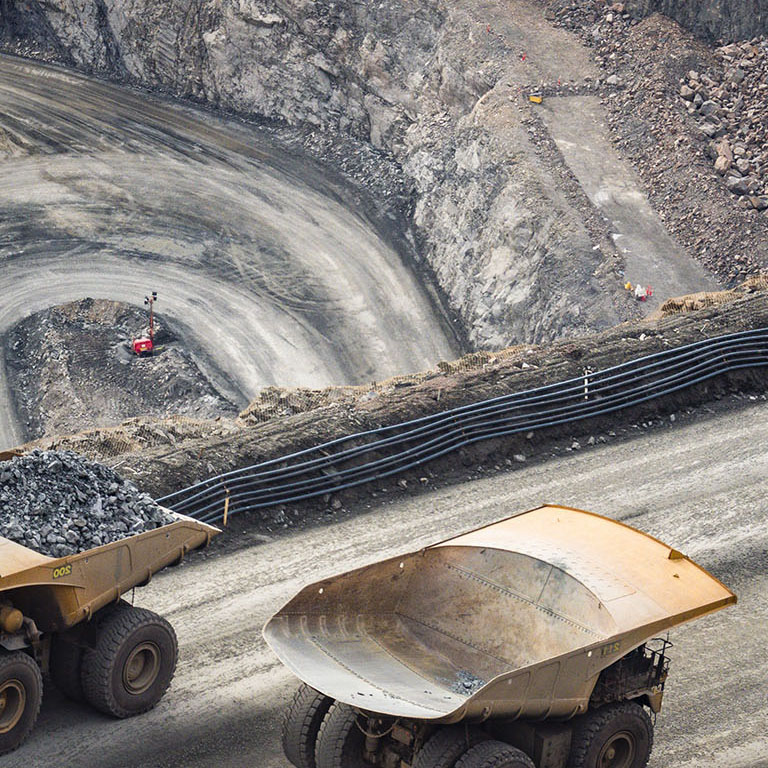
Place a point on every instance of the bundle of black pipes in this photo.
(386, 451)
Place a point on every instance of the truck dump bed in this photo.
(58, 593)
(515, 619)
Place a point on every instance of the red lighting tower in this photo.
(146, 345)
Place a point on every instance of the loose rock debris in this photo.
(731, 105)
(704, 168)
(71, 368)
(466, 683)
(58, 503)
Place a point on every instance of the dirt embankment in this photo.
(165, 456)
(72, 368)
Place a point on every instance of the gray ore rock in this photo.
(58, 503)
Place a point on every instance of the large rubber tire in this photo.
(615, 736)
(301, 724)
(67, 651)
(21, 692)
(495, 754)
(447, 745)
(340, 743)
(131, 664)
(66, 667)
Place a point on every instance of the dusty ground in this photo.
(651, 257)
(111, 193)
(700, 488)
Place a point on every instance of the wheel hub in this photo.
(141, 668)
(13, 699)
(618, 752)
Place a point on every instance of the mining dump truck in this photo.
(528, 642)
(65, 616)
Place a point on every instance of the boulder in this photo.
(722, 165)
(737, 185)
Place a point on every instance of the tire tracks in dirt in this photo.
(265, 261)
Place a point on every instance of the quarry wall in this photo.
(425, 83)
(712, 19)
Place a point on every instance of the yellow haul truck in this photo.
(65, 616)
(524, 643)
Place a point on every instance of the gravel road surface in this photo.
(701, 488)
(265, 262)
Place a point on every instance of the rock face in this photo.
(58, 504)
(712, 19)
(426, 84)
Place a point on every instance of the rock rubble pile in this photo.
(596, 16)
(58, 503)
(731, 105)
(466, 683)
(71, 368)
(651, 63)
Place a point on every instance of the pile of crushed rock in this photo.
(58, 503)
(71, 368)
(731, 105)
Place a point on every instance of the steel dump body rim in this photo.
(515, 619)
(58, 593)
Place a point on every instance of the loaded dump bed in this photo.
(515, 619)
(58, 593)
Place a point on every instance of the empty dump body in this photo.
(58, 593)
(516, 619)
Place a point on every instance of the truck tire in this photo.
(447, 745)
(131, 664)
(495, 754)
(67, 652)
(340, 743)
(66, 667)
(301, 724)
(616, 736)
(21, 691)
